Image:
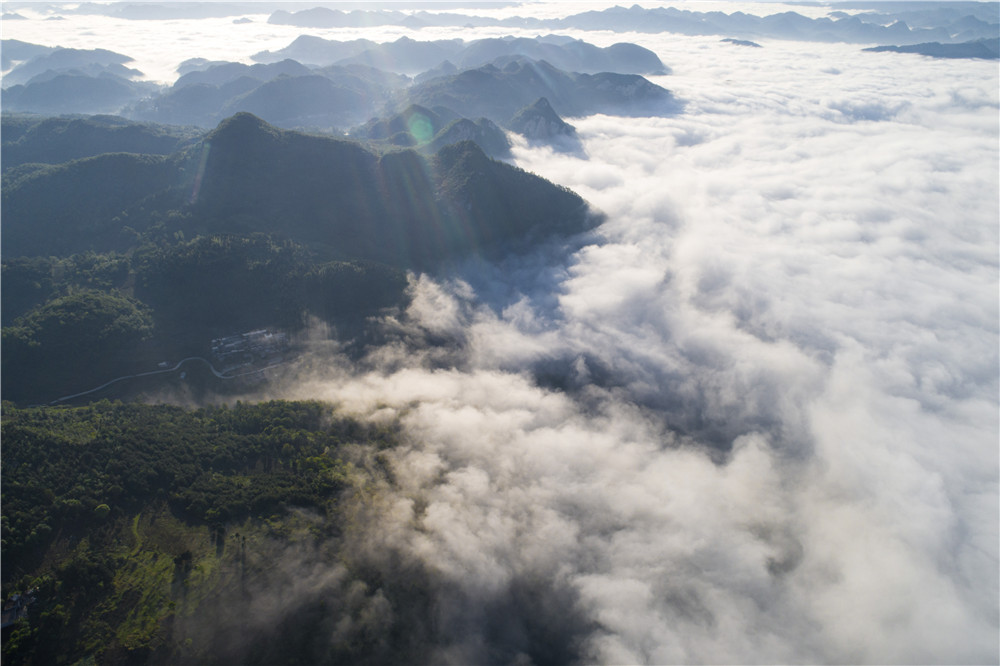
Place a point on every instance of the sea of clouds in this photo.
(751, 418)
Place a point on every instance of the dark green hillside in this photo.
(214, 284)
(72, 324)
(28, 282)
(248, 534)
(82, 334)
(316, 189)
(13, 126)
(247, 176)
(501, 201)
(29, 138)
(148, 534)
(77, 206)
(283, 226)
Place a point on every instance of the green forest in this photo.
(71, 323)
(128, 525)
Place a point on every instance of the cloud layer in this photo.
(754, 418)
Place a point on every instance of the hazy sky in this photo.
(159, 46)
(781, 442)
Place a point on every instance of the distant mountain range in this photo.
(740, 42)
(411, 57)
(854, 22)
(987, 49)
(886, 28)
(962, 21)
(286, 93)
(74, 92)
(364, 84)
(499, 90)
(337, 96)
(56, 80)
(429, 129)
(15, 51)
(35, 60)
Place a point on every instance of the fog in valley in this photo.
(751, 417)
(778, 442)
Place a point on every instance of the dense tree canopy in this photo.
(73, 323)
(84, 333)
(112, 512)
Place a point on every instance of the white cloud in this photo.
(800, 269)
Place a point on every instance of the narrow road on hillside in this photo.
(158, 372)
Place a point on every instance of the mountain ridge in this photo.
(402, 208)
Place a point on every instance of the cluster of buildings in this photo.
(262, 345)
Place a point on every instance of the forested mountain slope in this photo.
(121, 261)
(156, 534)
(247, 176)
(30, 138)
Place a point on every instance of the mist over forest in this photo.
(500, 333)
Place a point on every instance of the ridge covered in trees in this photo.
(247, 176)
(117, 262)
(148, 533)
(72, 323)
(30, 138)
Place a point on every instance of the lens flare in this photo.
(196, 189)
